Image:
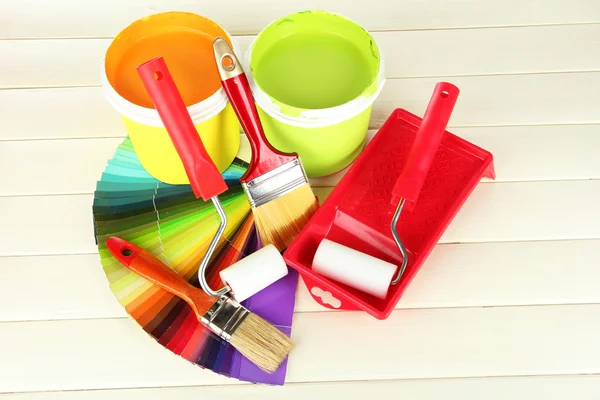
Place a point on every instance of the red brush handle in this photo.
(427, 141)
(264, 156)
(204, 177)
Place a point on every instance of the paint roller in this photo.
(255, 271)
(353, 268)
(365, 272)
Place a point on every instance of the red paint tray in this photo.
(358, 212)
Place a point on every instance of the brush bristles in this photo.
(261, 343)
(280, 220)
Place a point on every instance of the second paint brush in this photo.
(276, 183)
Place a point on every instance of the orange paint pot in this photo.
(184, 40)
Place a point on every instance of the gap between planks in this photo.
(549, 387)
(32, 18)
(324, 311)
(122, 135)
(399, 29)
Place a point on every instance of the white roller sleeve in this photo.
(255, 272)
(353, 268)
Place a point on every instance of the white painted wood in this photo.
(523, 211)
(521, 153)
(47, 225)
(465, 275)
(532, 153)
(53, 166)
(67, 62)
(57, 113)
(449, 343)
(55, 287)
(72, 18)
(539, 387)
(502, 99)
(563, 48)
(484, 101)
(91, 354)
(411, 344)
(528, 211)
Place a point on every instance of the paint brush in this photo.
(255, 338)
(260, 342)
(275, 182)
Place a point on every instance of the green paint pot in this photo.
(314, 76)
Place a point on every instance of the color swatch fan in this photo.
(170, 222)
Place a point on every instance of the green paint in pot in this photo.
(314, 70)
(315, 75)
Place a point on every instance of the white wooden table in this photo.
(507, 305)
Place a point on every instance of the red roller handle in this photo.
(427, 141)
(204, 177)
(264, 156)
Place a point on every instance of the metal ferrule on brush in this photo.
(275, 183)
(224, 317)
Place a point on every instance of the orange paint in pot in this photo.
(187, 51)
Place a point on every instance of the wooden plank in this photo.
(56, 287)
(47, 18)
(523, 211)
(539, 387)
(417, 344)
(540, 152)
(465, 275)
(484, 101)
(501, 100)
(84, 354)
(407, 54)
(58, 113)
(521, 153)
(47, 225)
(53, 166)
(514, 212)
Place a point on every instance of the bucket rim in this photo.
(313, 118)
